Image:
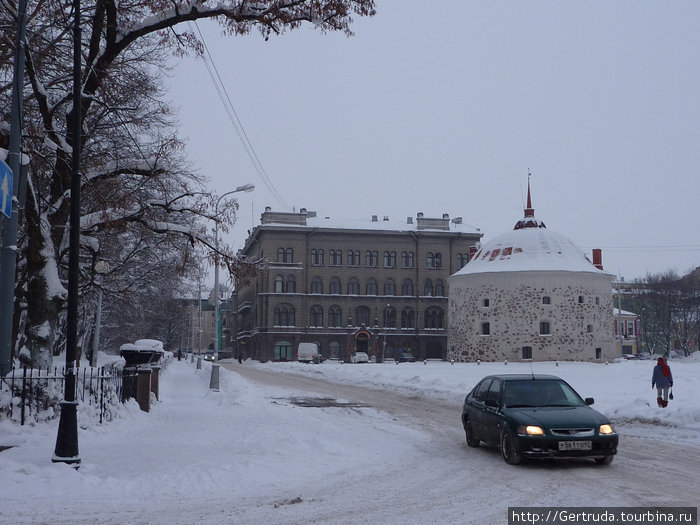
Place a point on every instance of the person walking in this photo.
(663, 380)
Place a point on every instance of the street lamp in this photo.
(217, 338)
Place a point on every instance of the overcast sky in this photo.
(444, 107)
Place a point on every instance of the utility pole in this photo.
(8, 252)
(66, 450)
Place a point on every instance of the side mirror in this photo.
(589, 400)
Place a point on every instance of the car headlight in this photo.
(531, 430)
(606, 429)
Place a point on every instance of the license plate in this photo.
(575, 445)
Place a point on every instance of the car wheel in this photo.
(605, 460)
(472, 440)
(508, 449)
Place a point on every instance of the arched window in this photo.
(289, 256)
(437, 260)
(439, 288)
(316, 316)
(428, 288)
(371, 286)
(291, 284)
(353, 286)
(389, 317)
(316, 285)
(284, 315)
(280, 254)
(407, 287)
(335, 317)
(407, 259)
(433, 317)
(279, 284)
(389, 259)
(353, 257)
(461, 261)
(407, 318)
(334, 286)
(361, 316)
(371, 259)
(317, 257)
(429, 260)
(389, 287)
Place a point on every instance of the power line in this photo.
(235, 121)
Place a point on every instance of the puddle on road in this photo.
(320, 402)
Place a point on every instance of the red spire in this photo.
(529, 211)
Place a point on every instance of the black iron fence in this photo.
(30, 394)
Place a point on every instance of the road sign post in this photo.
(6, 189)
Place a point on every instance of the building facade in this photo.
(628, 330)
(531, 295)
(372, 285)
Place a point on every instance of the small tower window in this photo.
(580, 299)
(485, 328)
(485, 303)
(545, 328)
(546, 300)
(527, 352)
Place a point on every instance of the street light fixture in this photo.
(247, 188)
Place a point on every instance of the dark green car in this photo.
(536, 416)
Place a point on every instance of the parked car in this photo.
(360, 357)
(308, 353)
(405, 357)
(536, 416)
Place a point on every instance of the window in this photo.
(389, 287)
(353, 286)
(433, 317)
(597, 300)
(494, 393)
(371, 259)
(630, 329)
(439, 288)
(407, 259)
(316, 285)
(485, 328)
(334, 286)
(353, 257)
(334, 349)
(589, 328)
(389, 259)
(428, 288)
(527, 352)
(335, 317)
(289, 256)
(280, 254)
(598, 353)
(546, 300)
(462, 260)
(429, 260)
(389, 317)
(361, 316)
(335, 257)
(437, 260)
(407, 287)
(482, 390)
(284, 315)
(279, 284)
(407, 318)
(291, 284)
(485, 303)
(317, 257)
(545, 328)
(316, 316)
(580, 299)
(371, 286)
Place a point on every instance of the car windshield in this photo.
(540, 393)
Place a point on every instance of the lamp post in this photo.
(217, 337)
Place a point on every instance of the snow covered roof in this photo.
(529, 247)
(310, 219)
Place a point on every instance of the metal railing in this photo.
(36, 394)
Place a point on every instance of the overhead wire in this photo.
(235, 120)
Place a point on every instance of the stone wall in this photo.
(579, 314)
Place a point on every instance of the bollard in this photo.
(452, 361)
(478, 361)
(214, 381)
(155, 375)
(199, 363)
(143, 388)
(191, 358)
(506, 361)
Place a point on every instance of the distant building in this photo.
(531, 294)
(372, 285)
(627, 329)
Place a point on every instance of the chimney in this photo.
(420, 214)
(472, 252)
(598, 258)
(386, 217)
(445, 215)
(268, 208)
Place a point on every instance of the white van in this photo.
(308, 353)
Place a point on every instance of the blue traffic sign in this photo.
(6, 188)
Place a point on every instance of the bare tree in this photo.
(138, 190)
